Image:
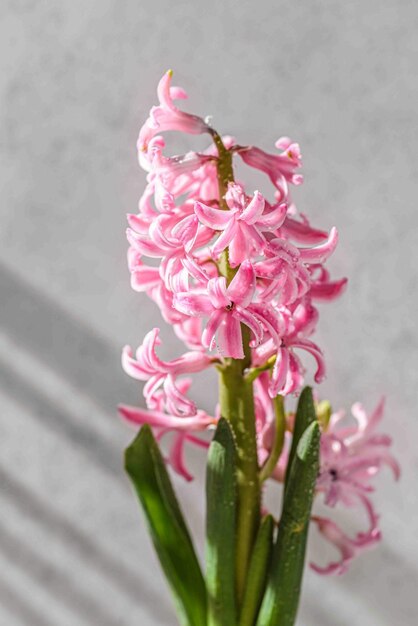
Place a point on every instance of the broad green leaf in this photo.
(305, 415)
(168, 530)
(257, 574)
(281, 599)
(221, 508)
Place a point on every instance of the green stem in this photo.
(224, 169)
(237, 406)
(225, 176)
(255, 372)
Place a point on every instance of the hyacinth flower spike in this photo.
(237, 274)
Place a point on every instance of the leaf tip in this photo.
(309, 441)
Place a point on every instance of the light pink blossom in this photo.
(352, 455)
(160, 419)
(182, 429)
(226, 307)
(147, 366)
(280, 168)
(349, 548)
(242, 226)
(166, 116)
(177, 240)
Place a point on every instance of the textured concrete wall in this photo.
(77, 78)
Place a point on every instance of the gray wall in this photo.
(77, 79)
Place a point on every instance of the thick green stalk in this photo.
(224, 169)
(237, 406)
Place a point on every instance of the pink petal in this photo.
(250, 320)
(177, 403)
(303, 232)
(321, 252)
(242, 286)
(178, 93)
(217, 219)
(200, 443)
(186, 231)
(279, 373)
(195, 304)
(225, 238)
(329, 290)
(143, 277)
(163, 91)
(138, 223)
(176, 456)
(254, 209)
(218, 292)
(167, 116)
(200, 421)
(239, 247)
(209, 334)
(273, 219)
(143, 246)
(283, 143)
(348, 548)
(132, 367)
(229, 338)
(190, 363)
(313, 349)
(368, 424)
(295, 378)
(146, 353)
(235, 196)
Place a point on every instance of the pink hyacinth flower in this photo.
(176, 457)
(278, 167)
(171, 238)
(285, 270)
(166, 116)
(226, 307)
(242, 226)
(159, 419)
(349, 548)
(322, 287)
(301, 231)
(352, 455)
(287, 375)
(147, 366)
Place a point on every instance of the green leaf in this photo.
(168, 530)
(257, 573)
(281, 599)
(221, 510)
(305, 415)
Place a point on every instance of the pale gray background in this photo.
(77, 79)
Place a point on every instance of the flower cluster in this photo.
(351, 455)
(238, 275)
